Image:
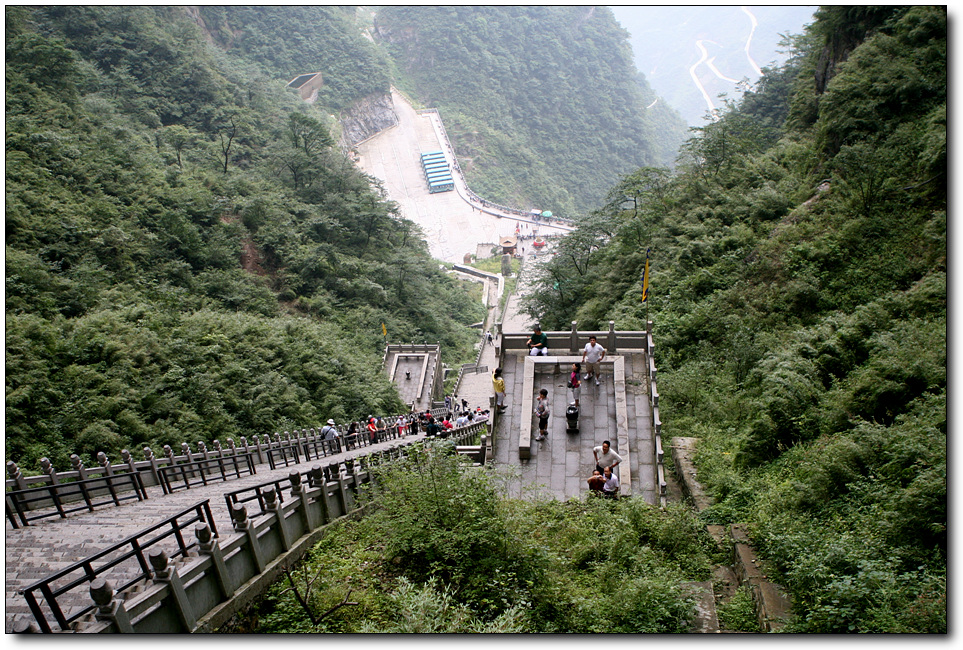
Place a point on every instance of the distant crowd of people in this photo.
(376, 429)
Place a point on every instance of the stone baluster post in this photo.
(316, 477)
(232, 451)
(110, 609)
(169, 455)
(320, 481)
(610, 347)
(164, 573)
(573, 338)
(128, 460)
(207, 545)
(104, 462)
(220, 455)
(298, 492)
(149, 456)
(306, 439)
(266, 441)
(131, 464)
(257, 447)
(202, 449)
(188, 457)
(297, 488)
(245, 526)
(24, 626)
(334, 470)
(273, 505)
(16, 475)
(186, 452)
(78, 466)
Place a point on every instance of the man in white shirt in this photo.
(591, 358)
(328, 432)
(605, 458)
(611, 486)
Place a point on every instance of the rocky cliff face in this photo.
(366, 118)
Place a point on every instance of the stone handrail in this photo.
(231, 570)
(656, 420)
(149, 469)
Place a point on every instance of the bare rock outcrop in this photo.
(366, 118)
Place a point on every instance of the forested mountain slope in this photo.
(543, 104)
(798, 291)
(187, 257)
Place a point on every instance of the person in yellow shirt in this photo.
(498, 383)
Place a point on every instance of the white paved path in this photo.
(452, 223)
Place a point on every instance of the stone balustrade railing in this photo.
(204, 589)
(656, 420)
(149, 469)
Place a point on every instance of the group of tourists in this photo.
(604, 481)
(376, 429)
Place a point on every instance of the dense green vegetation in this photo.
(441, 551)
(798, 291)
(295, 40)
(543, 104)
(187, 256)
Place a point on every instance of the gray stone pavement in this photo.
(477, 388)
(560, 465)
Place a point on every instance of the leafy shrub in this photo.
(594, 566)
(738, 614)
(442, 522)
(431, 609)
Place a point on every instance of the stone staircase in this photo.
(772, 605)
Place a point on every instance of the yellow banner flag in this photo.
(384, 330)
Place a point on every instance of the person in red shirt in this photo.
(372, 430)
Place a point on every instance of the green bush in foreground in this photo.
(440, 551)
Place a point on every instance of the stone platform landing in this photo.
(416, 371)
(618, 410)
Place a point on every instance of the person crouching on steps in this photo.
(611, 486)
(541, 410)
(538, 342)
